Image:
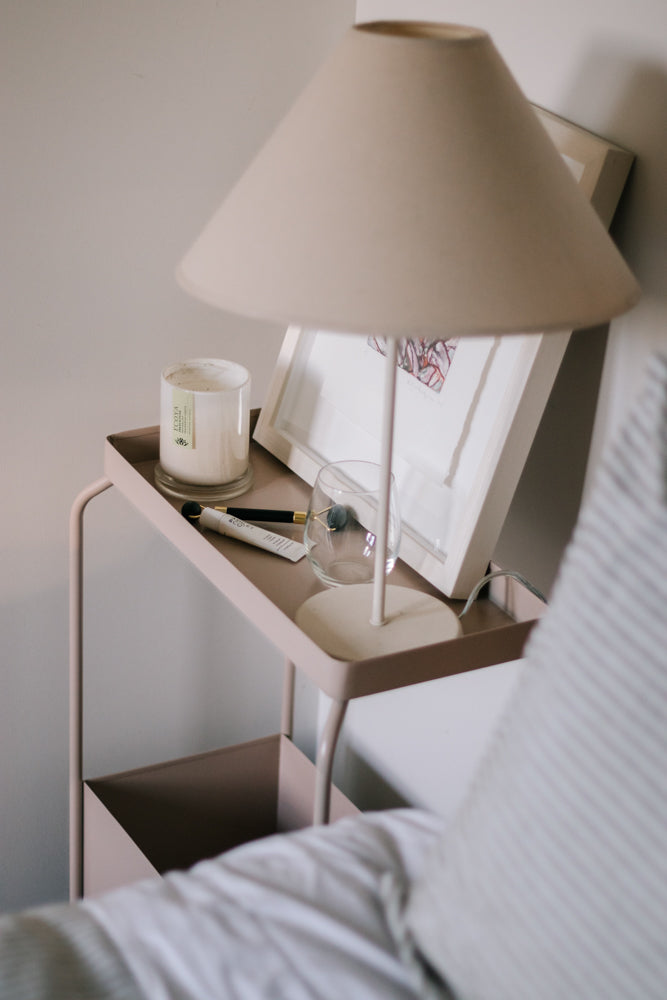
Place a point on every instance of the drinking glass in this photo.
(341, 523)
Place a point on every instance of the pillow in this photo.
(552, 881)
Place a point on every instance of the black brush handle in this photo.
(191, 509)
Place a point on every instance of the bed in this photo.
(298, 915)
(550, 882)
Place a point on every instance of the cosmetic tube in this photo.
(226, 524)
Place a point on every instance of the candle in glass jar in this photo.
(205, 421)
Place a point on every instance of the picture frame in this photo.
(458, 451)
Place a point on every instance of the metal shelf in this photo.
(269, 590)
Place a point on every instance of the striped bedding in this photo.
(552, 882)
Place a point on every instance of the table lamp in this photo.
(410, 192)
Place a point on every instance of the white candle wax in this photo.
(204, 421)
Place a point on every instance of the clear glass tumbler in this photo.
(341, 524)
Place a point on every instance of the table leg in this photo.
(325, 758)
(287, 711)
(76, 684)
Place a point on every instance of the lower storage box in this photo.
(153, 819)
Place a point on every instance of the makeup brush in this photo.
(192, 510)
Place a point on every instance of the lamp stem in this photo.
(386, 447)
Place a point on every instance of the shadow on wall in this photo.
(633, 99)
(546, 502)
(33, 869)
(366, 787)
(170, 671)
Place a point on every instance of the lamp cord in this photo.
(502, 572)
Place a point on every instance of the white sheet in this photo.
(299, 916)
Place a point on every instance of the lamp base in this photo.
(339, 621)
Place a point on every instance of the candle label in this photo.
(183, 417)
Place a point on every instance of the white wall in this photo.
(123, 123)
(603, 65)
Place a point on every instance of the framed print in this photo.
(466, 410)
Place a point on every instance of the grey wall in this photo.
(123, 122)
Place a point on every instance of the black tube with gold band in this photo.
(191, 509)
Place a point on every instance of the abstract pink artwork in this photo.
(428, 361)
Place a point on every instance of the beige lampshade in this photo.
(411, 190)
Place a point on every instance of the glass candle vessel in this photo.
(204, 430)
